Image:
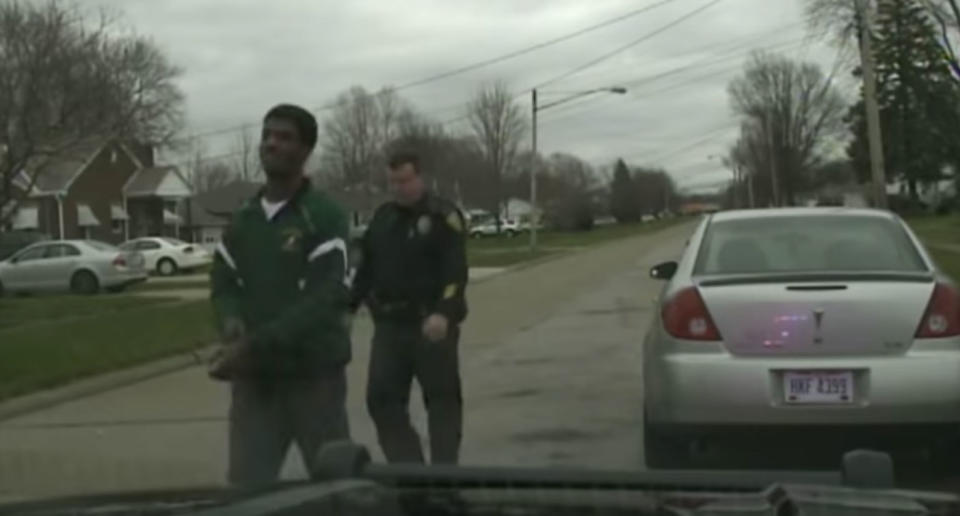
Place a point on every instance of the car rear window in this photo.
(173, 241)
(807, 243)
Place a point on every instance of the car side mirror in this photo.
(664, 271)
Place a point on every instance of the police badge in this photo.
(423, 224)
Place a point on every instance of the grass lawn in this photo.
(34, 356)
(16, 311)
(562, 239)
(937, 232)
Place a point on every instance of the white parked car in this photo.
(488, 227)
(167, 256)
(80, 266)
(802, 320)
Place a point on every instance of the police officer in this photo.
(280, 295)
(412, 277)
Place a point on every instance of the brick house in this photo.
(107, 191)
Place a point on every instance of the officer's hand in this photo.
(435, 327)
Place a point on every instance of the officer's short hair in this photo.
(400, 158)
(302, 119)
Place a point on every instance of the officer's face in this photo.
(406, 184)
(282, 153)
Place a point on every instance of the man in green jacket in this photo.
(281, 296)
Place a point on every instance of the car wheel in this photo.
(166, 267)
(476, 234)
(511, 233)
(85, 283)
(2, 291)
(663, 451)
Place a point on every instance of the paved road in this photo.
(551, 365)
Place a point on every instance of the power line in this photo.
(475, 65)
(633, 43)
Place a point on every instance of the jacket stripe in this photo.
(222, 251)
(334, 244)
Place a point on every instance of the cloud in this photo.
(242, 56)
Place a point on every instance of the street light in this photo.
(619, 90)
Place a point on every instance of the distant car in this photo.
(13, 241)
(802, 319)
(80, 266)
(488, 227)
(167, 256)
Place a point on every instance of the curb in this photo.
(97, 384)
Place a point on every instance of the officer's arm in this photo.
(453, 273)
(326, 294)
(225, 286)
(363, 280)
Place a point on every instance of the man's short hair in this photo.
(402, 157)
(302, 119)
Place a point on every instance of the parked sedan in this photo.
(80, 266)
(166, 256)
(802, 319)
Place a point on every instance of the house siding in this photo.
(99, 185)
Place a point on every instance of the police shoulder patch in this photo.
(454, 221)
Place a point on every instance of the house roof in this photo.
(225, 200)
(160, 181)
(214, 207)
(56, 173)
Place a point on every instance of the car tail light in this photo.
(119, 261)
(942, 318)
(685, 316)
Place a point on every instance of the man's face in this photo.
(406, 184)
(281, 151)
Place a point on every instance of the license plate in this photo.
(833, 387)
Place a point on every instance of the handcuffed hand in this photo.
(435, 327)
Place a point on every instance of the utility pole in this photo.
(533, 172)
(874, 135)
(750, 197)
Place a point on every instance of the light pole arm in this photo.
(578, 95)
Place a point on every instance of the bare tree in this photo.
(248, 160)
(356, 134)
(795, 108)
(64, 79)
(498, 124)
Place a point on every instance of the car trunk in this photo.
(836, 317)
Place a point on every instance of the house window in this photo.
(117, 226)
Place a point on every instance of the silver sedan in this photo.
(799, 319)
(81, 266)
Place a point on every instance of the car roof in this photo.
(800, 212)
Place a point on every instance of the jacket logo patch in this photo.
(291, 240)
(424, 224)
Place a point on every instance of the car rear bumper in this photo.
(716, 388)
(124, 278)
(192, 262)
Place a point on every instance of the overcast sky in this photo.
(242, 56)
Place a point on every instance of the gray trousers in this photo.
(267, 417)
(401, 353)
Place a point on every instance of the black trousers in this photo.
(266, 417)
(401, 353)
